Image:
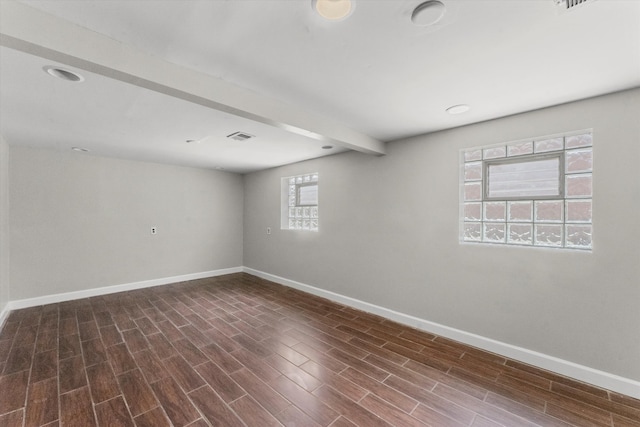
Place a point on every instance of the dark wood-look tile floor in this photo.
(241, 351)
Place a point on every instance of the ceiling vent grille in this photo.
(240, 136)
(566, 5)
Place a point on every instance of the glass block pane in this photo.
(520, 234)
(292, 224)
(548, 235)
(548, 211)
(306, 224)
(578, 185)
(578, 161)
(314, 177)
(472, 155)
(292, 212)
(578, 210)
(307, 178)
(292, 200)
(292, 180)
(494, 153)
(472, 232)
(473, 191)
(553, 144)
(495, 211)
(584, 140)
(520, 149)
(473, 211)
(473, 171)
(520, 211)
(298, 180)
(292, 190)
(298, 212)
(494, 232)
(314, 212)
(306, 212)
(578, 236)
(314, 225)
(298, 224)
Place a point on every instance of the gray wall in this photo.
(80, 222)
(4, 224)
(389, 236)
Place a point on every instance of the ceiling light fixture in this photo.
(458, 109)
(80, 149)
(428, 13)
(334, 10)
(327, 147)
(63, 74)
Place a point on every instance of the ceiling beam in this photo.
(32, 31)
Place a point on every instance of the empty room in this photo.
(320, 213)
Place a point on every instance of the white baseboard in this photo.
(4, 313)
(68, 296)
(586, 374)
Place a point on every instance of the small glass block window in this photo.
(537, 192)
(300, 202)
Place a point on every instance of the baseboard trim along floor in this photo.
(586, 374)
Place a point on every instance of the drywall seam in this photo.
(586, 374)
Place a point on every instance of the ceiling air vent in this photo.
(566, 5)
(240, 136)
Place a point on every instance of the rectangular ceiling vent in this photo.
(566, 5)
(240, 136)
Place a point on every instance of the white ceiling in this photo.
(372, 76)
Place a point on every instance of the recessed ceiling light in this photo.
(458, 109)
(327, 147)
(334, 10)
(428, 13)
(80, 149)
(189, 141)
(63, 74)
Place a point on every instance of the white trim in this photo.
(68, 296)
(4, 314)
(586, 374)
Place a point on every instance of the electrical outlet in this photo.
(154, 230)
(268, 230)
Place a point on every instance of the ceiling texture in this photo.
(160, 73)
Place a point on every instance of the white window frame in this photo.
(562, 221)
(294, 214)
(524, 159)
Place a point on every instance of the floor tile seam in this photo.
(509, 389)
(161, 405)
(578, 415)
(579, 402)
(86, 378)
(506, 374)
(29, 384)
(593, 396)
(121, 395)
(202, 415)
(371, 355)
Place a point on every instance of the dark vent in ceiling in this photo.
(240, 136)
(565, 5)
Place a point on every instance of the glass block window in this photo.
(300, 202)
(529, 193)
